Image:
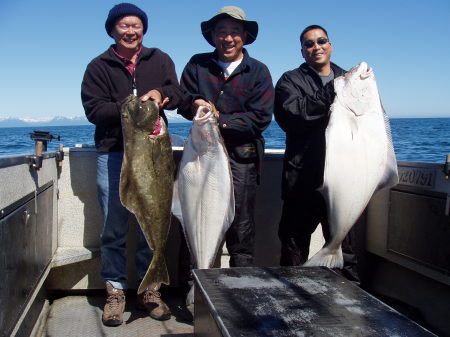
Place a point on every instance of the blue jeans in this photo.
(115, 225)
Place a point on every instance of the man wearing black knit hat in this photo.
(126, 67)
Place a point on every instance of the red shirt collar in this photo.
(130, 66)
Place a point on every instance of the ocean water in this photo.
(415, 139)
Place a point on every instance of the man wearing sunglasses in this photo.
(303, 97)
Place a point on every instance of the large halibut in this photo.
(359, 160)
(203, 193)
(146, 181)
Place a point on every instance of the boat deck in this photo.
(291, 301)
(74, 316)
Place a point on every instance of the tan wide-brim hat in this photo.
(232, 12)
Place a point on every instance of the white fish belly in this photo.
(359, 157)
(356, 157)
(205, 192)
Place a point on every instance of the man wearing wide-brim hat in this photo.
(231, 12)
(240, 89)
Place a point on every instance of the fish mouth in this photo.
(204, 110)
(365, 75)
(204, 113)
(365, 70)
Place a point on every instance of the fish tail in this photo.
(156, 274)
(326, 257)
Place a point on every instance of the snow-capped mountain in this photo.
(11, 122)
(55, 121)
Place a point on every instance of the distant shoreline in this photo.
(63, 125)
(38, 125)
(415, 139)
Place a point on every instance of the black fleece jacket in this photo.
(302, 105)
(106, 83)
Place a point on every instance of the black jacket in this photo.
(302, 107)
(244, 100)
(107, 83)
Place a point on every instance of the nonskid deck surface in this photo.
(292, 301)
(72, 316)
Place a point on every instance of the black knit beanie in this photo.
(121, 10)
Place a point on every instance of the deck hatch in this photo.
(419, 229)
(26, 241)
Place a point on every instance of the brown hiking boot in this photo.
(114, 307)
(151, 302)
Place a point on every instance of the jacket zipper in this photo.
(134, 83)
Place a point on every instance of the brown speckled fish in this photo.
(146, 180)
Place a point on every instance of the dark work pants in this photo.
(240, 236)
(300, 218)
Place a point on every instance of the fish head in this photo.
(204, 115)
(359, 72)
(360, 69)
(205, 119)
(207, 131)
(143, 115)
(358, 91)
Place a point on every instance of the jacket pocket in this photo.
(244, 152)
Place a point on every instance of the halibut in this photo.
(359, 160)
(146, 181)
(204, 195)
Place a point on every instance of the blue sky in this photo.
(47, 45)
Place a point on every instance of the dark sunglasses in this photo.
(320, 41)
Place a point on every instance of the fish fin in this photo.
(190, 296)
(156, 274)
(390, 175)
(176, 203)
(231, 210)
(326, 257)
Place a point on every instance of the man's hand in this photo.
(201, 102)
(156, 97)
